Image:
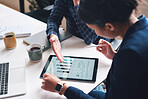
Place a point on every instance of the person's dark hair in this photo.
(101, 11)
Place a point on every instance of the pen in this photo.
(97, 45)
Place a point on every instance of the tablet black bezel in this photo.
(94, 72)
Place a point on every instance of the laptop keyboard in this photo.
(4, 68)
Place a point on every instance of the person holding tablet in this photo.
(128, 75)
(68, 9)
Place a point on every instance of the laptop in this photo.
(41, 38)
(12, 78)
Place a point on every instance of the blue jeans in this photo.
(98, 92)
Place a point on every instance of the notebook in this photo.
(41, 38)
(19, 30)
(12, 78)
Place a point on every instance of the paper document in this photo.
(48, 7)
(19, 30)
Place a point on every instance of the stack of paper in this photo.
(19, 30)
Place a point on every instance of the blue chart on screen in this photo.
(73, 67)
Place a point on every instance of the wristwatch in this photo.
(59, 87)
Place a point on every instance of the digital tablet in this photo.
(73, 68)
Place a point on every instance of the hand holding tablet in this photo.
(74, 68)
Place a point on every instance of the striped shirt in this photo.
(66, 8)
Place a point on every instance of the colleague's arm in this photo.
(53, 23)
(50, 82)
(55, 18)
(74, 93)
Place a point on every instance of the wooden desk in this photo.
(72, 47)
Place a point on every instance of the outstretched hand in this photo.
(106, 49)
(76, 2)
(56, 46)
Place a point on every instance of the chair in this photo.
(21, 5)
(41, 14)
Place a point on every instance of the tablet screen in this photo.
(76, 68)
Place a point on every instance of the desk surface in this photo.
(70, 47)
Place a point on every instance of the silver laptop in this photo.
(12, 78)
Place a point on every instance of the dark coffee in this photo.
(35, 49)
(7, 36)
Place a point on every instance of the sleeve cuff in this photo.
(74, 93)
(51, 32)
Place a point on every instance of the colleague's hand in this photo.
(56, 46)
(49, 82)
(76, 2)
(106, 49)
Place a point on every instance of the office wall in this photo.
(15, 4)
(143, 8)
